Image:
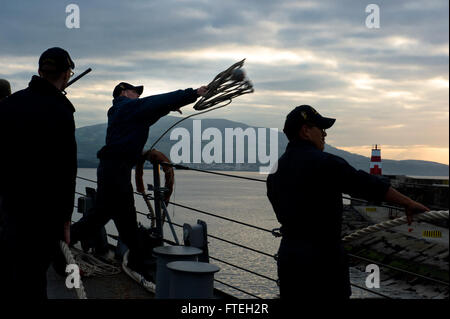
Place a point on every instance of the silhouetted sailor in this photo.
(38, 166)
(306, 195)
(5, 89)
(129, 120)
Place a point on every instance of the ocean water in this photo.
(237, 199)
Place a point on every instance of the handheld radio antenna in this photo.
(78, 77)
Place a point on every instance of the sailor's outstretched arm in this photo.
(152, 108)
(411, 207)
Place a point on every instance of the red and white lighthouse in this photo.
(375, 161)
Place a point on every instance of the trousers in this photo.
(27, 251)
(307, 271)
(115, 200)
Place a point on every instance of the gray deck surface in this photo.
(119, 286)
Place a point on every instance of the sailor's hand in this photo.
(413, 208)
(202, 90)
(67, 232)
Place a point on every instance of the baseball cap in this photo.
(55, 59)
(127, 86)
(304, 114)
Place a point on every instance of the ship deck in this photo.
(118, 286)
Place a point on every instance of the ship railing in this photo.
(275, 232)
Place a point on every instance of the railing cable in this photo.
(263, 229)
(238, 289)
(244, 269)
(182, 167)
(371, 291)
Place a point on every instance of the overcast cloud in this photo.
(387, 86)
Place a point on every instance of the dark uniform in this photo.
(306, 195)
(38, 166)
(5, 89)
(129, 121)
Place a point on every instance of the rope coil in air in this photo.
(224, 87)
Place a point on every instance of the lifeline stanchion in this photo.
(220, 217)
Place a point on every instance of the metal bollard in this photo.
(165, 255)
(197, 236)
(191, 280)
(99, 240)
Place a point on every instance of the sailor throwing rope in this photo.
(129, 120)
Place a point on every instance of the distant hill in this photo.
(91, 138)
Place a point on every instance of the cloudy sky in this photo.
(386, 85)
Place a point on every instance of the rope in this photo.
(223, 88)
(92, 266)
(81, 293)
(149, 286)
(426, 216)
(151, 213)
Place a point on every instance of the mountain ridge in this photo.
(91, 138)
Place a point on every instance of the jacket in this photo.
(129, 121)
(306, 192)
(38, 162)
